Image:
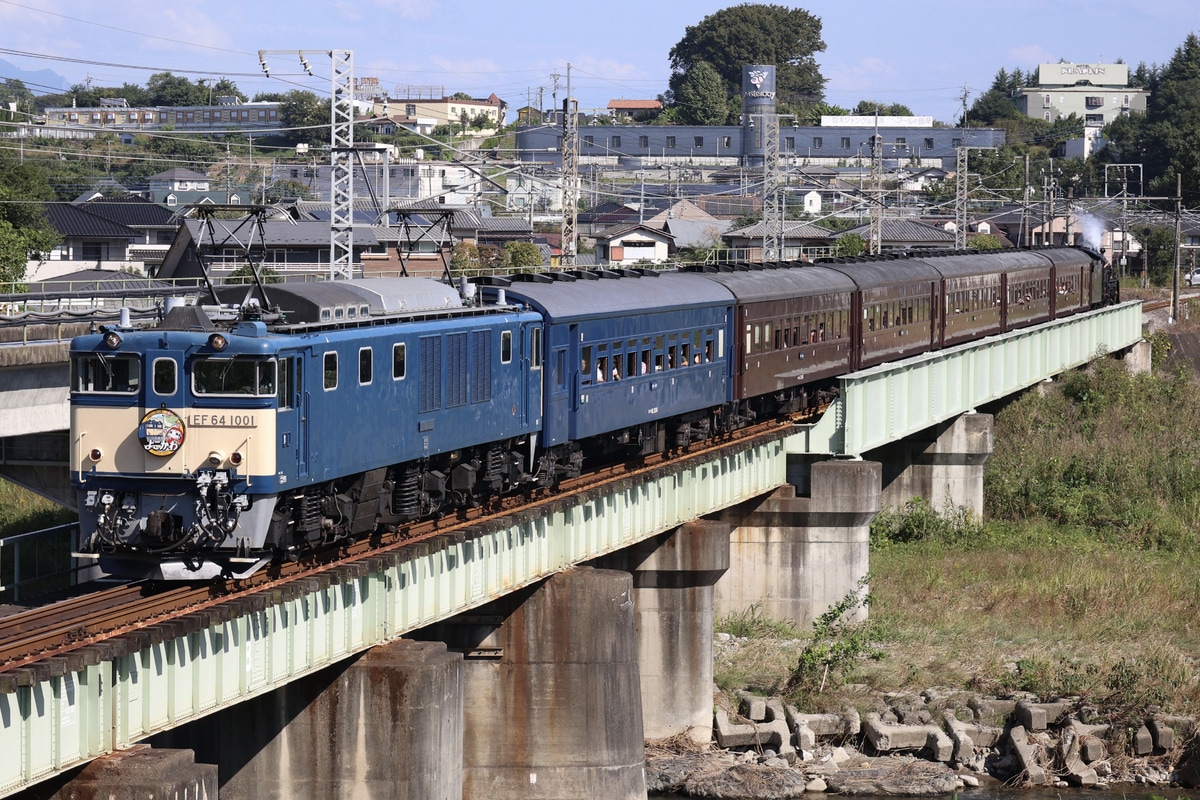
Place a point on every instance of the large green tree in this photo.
(756, 33)
(305, 118)
(701, 97)
(167, 89)
(24, 231)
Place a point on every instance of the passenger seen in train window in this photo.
(821, 331)
(601, 368)
(812, 334)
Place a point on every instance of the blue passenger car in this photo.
(624, 352)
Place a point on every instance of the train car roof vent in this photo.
(561, 277)
(532, 277)
(254, 328)
(649, 273)
(584, 274)
(607, 273)
(493, 280)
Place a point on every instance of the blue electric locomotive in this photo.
(217, 440)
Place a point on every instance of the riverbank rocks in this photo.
(933, 743)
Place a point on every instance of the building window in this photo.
(587, 141)
(928, 143)
(616, 142)
(789, 143)
(644, 141)
(901, 141)
(845, 142)
(1125, 102)
(727, 142)
(1046, 116)
(1094, 101)
(818, 142)
(671, 142)
(958, 142)
(698, 141)
(1045, 101)
(1094, 119)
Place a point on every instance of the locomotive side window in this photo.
(398, 363)
(101, 374)
(365, 365)
(330, 367)
(164, 376)
(505, 347)
(535, 348)
(283, 397)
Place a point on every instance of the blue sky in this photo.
(918, 54)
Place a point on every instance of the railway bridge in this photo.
(525, 656)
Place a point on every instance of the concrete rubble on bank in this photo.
(927, 744)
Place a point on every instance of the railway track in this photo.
(56, 629)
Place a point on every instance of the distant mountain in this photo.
(42, 81)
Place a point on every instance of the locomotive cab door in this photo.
(292, 415)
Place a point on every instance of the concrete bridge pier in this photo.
(551, 693)
(674, 576)
(134, 774)
(387, 724)
(943, 464)
(801, 549)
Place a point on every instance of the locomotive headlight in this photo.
(216, 457)
(218, 342)
(95, 455)
(112, 340)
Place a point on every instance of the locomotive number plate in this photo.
(221, 420)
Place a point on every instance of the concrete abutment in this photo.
(944, 465)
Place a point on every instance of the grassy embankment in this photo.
(1082, 581)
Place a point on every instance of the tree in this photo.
(753, 33)
(983, 241)
(850, 244)
(165, 89)
(701, 97)
(245, 274)
(1158, 252)
(305, 118)
(25, 232)
(464, 257)
(523, 254)
(866, 108)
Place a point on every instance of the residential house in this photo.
(292, 249)
(800, 241)
(634, 110)
(907, 234)
(86, 237)
(634, 244)
(155, 225)
(179, 187)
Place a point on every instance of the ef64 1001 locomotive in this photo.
(232, 434)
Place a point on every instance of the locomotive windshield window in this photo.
(100, 374)
(233, 376)
(164, 376)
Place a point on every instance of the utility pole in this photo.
(1025, 232)
(1178, 249)
(570, 176)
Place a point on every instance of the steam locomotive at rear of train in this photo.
(237, 433)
